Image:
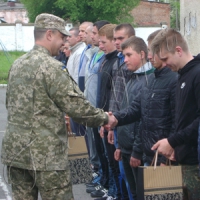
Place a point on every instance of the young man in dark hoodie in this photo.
(172, 49)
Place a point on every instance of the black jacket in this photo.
(187, 113)
(155, 105)
(105, 80)
(129, 139)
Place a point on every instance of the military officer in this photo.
(34, 147)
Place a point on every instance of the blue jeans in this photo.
(122, 179)
(146, 164)
(112, 190)
(131, 174)
(122, 176)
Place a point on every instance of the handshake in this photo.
(112, 121)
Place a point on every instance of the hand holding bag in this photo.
(159, 182)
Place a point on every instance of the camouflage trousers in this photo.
(191, 182)
(52, 185)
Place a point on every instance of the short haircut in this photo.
(153, 35)
(107, 30)
(89, 28)
(39, 32)
(128, 27)
(87, 23)
(137, 44)
(168, 39)
(101, 23)
(75, 30)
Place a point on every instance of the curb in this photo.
(3, 85)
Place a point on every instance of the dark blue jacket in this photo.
(129, 139)
(156, 108)
(105, 80)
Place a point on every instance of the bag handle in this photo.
(155, 159)
(69, 130)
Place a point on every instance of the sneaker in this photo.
(91, 184)
(95, 178)
(99, 193)
(93, 189)
(95, 174)
(110, 198)
(104, 197)
(94, 169)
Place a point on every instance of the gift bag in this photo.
(78, 158)
(159, 182)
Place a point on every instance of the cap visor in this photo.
(65, 32)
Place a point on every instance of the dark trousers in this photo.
(102, 158)
(131, 174)
(114, 165)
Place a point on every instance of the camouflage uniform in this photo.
(38, 93)
(52, 184)
(191, 182)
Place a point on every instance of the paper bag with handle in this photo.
(159, 182)
(76, 144)
(78, 156)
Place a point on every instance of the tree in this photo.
(115, 11)
(174, 13)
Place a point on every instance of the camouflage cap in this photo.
(49, 21)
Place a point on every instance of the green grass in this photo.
(6, 60)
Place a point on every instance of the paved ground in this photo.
(5, 190)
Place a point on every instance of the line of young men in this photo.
(155, 106)
(107, 77)
(113, 81)
(100, 151)
(181, 143)
(147, 126)
(111, 78)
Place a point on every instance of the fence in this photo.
(19, 37)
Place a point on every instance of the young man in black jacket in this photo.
(172, 49)
(104, 85)
(129, 139)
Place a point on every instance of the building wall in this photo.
(190, 24)
(10, 16)
(16, 37)
(149, 13)
(20, 36)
